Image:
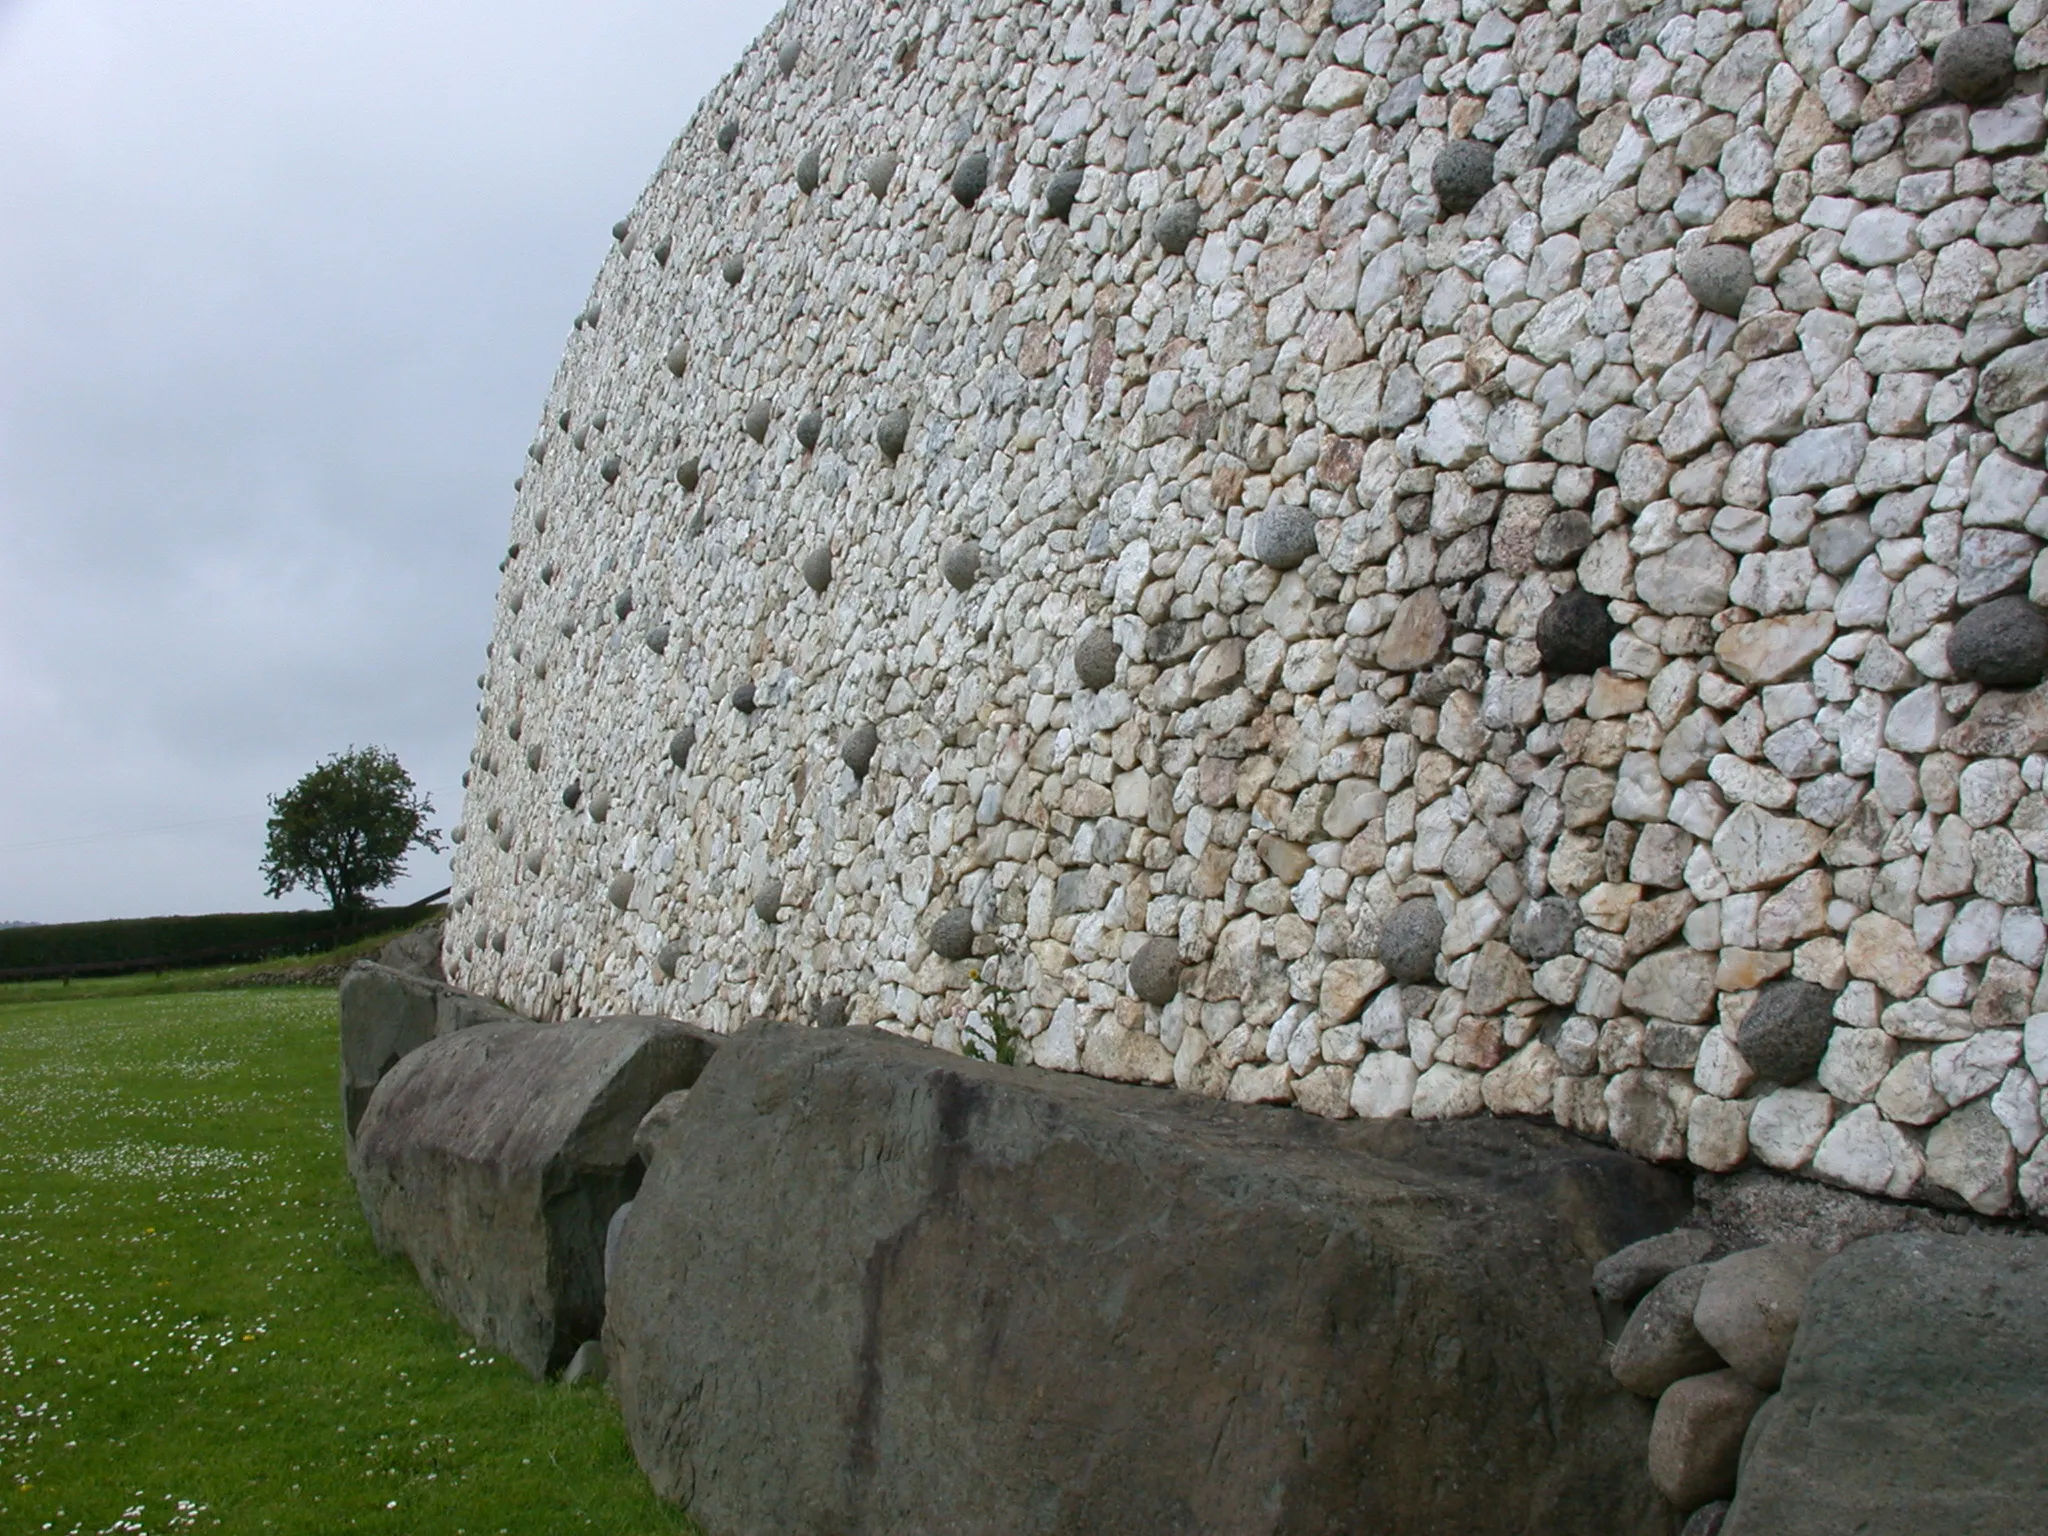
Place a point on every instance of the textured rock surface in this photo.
(494, 1158)
(1749, 1307)
(1696, 1438)
(1914, 1398)
(1660, 1343)
(1626, 1274)
(2003, 644)
(1785, 1032)
(387, 1013)
(994, 1254)
(1779, 526)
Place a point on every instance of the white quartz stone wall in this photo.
(1785, 511)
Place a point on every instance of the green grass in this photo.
(196, 1333)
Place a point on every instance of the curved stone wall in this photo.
(1408, 558)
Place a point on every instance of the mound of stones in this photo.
(1887, 1390)
(495, 1158)
(870, 1286)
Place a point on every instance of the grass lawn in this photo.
(196, 1333)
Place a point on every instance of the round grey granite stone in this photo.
(608, 468)
(1155, 971)
(1560, 132)
(600, 805)
(1095, 659)
(686, 475)
(817, 568)
(620, 891)
(970, 179)
(1177, 227)
(1718, 277)
(1411, 939)
(858, 750)
(621, 229)
(1287, 536)
(1061, 191)
(681, 744)
(809, 428)
(1975, 64)
(1542, 930)
(573, 795)
(787, 55)
(755, 422)
(743, 698)
(657, 639)
(952, 934)
(807, 172)
(1785, 1033)
(768, 901)
(892, 432)
(1575, 633)
(2001, 644)
(878, 173)
(1462, 175)
(623, 603)
(678, 359)
(671, 954)
(728, 135)
(961, 566)
(734, 269)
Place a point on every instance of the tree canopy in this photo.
(345, 828)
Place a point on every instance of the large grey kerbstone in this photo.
(1914, 1398)
(387, 1013)
(494, 1159)
(995, 1293)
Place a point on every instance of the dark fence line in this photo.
(303, 938)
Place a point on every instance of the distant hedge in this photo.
(172, 943)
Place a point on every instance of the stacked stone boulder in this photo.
(1537, 461)
(1708, 1342)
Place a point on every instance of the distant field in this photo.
(163, 942)
(196, 1333)
(199, 979)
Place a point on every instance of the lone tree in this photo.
(345, 828)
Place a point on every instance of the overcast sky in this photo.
(282, 287)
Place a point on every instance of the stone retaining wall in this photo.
(1058, 521)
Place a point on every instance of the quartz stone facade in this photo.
(1059, 522)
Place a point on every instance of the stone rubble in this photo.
(1253, 471)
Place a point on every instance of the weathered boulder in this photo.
(1627, 1274)
(1661, 1344)
(1749, 1308)
(868, 1286)
(1914, 1398)
(494, 1158)
(386, 1014)
(1696, 1440)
